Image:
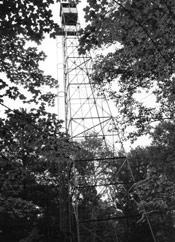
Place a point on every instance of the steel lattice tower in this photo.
(85, 112)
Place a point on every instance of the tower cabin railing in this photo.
(69, 18)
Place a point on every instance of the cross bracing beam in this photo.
(109, 218)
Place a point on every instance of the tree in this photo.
(35, 154)
(142, 61)
(32, 151)
(21, 78)
(156, 184)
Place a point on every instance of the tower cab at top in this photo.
(68, 13)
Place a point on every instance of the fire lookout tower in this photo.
(87, 114)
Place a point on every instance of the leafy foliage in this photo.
(142, 61)
(21, 77)
(156, 187)
(31, 179)
(35, 160)
(32, 149)
(29, 18)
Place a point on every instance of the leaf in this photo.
(2, 84)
